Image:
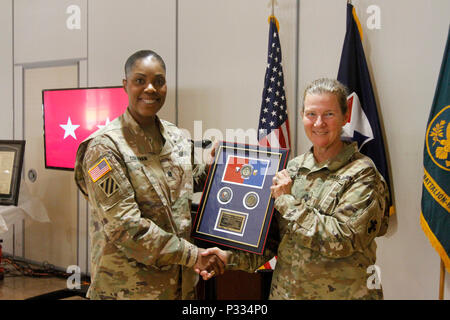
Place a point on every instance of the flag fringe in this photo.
(435, 242)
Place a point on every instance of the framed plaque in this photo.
(11, 162)
(236, 207)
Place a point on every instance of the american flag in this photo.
(99, 170)
(273, 129)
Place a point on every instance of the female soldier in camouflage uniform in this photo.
(138, 177)
(332, 203)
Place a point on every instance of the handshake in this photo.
(210, 262)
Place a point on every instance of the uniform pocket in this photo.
(175, 176)
(329, 196)
(161, 213)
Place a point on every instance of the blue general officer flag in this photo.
(363, 125)
(435, 215)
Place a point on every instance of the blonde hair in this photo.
(325, 85)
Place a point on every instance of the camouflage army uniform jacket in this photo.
(328, 226)
(140, 224)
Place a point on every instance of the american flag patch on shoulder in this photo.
(99, 170)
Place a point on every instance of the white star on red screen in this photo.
(104, 125)
(69, 129)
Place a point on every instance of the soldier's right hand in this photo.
(208, 264)
(221, 254)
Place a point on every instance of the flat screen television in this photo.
(71, 115)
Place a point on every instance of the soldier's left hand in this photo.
(282, 184)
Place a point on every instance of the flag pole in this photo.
(442, 281)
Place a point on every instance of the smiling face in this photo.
(323, 121)
(146, 88)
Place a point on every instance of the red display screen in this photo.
(71, 115)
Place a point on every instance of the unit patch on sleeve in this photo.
(99, 170)
(109, 186)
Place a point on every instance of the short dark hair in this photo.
(131, 61)
(332, 86)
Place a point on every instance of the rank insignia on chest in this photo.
(99, 170)
(109, 186)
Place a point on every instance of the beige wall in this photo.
(216, 61)
(123, 28)
(6, 69)
(222, 59)
(41, 32)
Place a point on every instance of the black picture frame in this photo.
(236, 206)
(11, 163)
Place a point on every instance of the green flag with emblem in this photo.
(435, 215)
